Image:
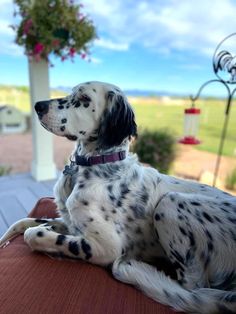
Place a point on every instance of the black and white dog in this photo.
(115, 211)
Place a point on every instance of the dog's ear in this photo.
(118, 121)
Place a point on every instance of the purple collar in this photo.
(100, 159)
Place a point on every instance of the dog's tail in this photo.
(18, 228)
(163, 289)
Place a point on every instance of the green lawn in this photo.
(170, 116)
(19, 97)
(154, 114)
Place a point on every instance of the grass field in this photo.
(156, 113)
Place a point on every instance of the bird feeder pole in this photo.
(223, 61)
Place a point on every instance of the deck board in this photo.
(18, 195)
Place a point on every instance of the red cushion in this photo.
(34, 283)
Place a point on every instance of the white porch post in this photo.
(43, 167)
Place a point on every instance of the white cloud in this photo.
(109, 44)
(160, 25)
(95, 60)
(165, 25)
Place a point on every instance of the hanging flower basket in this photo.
(53, 26)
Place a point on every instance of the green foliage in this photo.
(53, 26)
(156, 148)
(231, 180)
(4, 170)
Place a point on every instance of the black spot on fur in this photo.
(86, 248)
(60, 107)
(119, 203)
(226, 204)
(130, 219)
(86, 104)
(81, 186)
(183, 231)
(144, 197)
(40, 234)
(103, 209)
(208, 234)
(77, 104)
(63, 120)
(231, 219)
(138, 230)
(195, 203)
(86, 203)
(73, 247)
(86, 174)
(207, 217)
(41, 221)
(177, 256)
(71, 137)
(60, 239)
(62, 128)
(138, 210)
(157, 217)
(112, 197)
(124, 190)
(191, 238)
(110, 188)
(62, 101)
(181, 205)
(210, 246)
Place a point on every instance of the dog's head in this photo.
(93, 110)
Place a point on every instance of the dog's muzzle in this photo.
(41, 107)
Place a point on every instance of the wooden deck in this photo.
(18, 195)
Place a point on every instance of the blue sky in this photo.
(163, 45)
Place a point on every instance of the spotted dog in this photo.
(115, 211)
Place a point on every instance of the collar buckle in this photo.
(82, 161)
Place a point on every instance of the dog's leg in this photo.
(99, 248)
(20, 226)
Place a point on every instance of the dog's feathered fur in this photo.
(126, 214)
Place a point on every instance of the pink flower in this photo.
(38, 48)
(72, 52)
(83, 55)
(27, 26)
(63, 58)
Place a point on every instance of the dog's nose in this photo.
(41, 107)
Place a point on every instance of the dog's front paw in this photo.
(35, 238)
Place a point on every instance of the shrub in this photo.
(4, 170)
(231, 180)
(156, 148)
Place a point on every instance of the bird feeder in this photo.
(191, 123)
